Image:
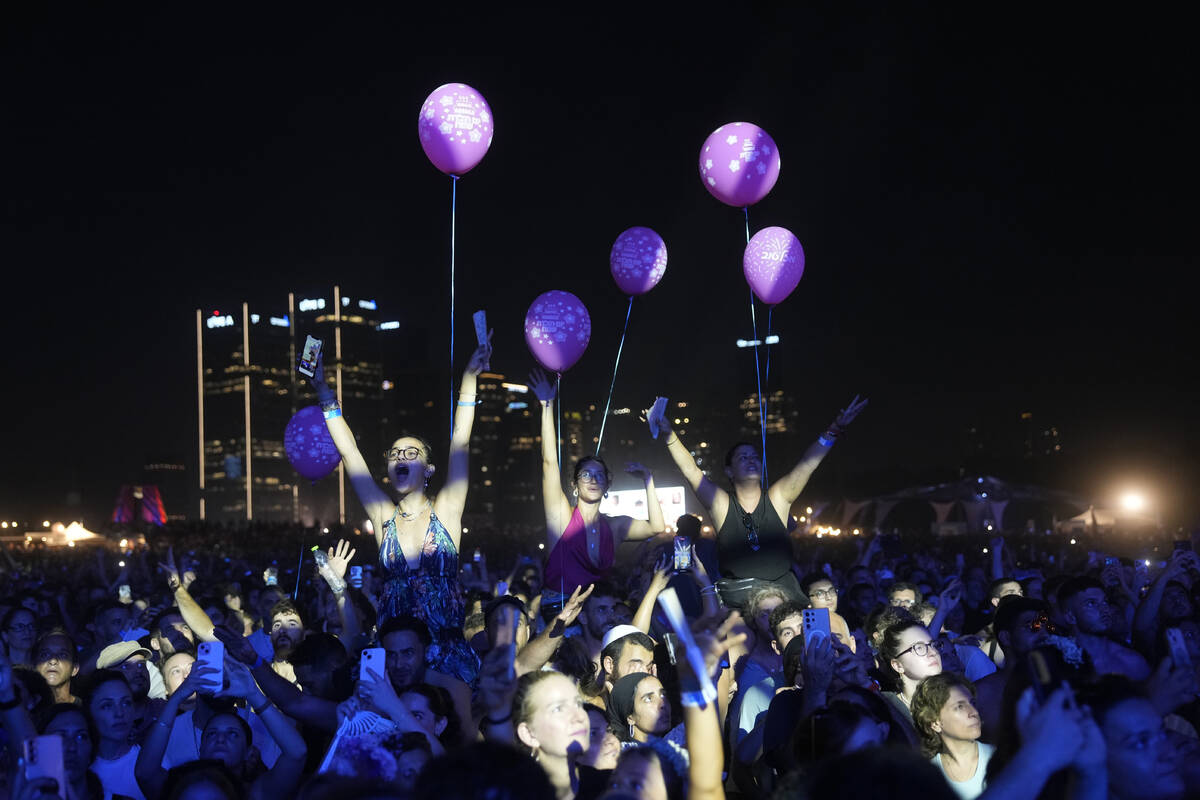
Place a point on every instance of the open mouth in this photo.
(402, 470)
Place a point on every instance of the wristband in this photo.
(697, 699)
(332, 412)
(462, 403)
(260, 709)
(672, 440)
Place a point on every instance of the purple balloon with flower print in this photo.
(773, 263)
(308, 445)
(557, 330)
(739, 164)
(455, 127)
(638, 260)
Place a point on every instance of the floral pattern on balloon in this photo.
(739, 164)
(455, 126)
(773, 263)
(308, 445)
(638, 260)
(557, 329)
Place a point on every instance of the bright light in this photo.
(1072, 541)
(541, 547)
(390, 325)
(1133, 501)
(70, 544)
(1147, 562)
(466, 530)
(808, 510)
(325, 530)
(45, 523)
(804, 519)
(857, 531)
(120, 563)
(985, 549)
(3, 524)
(124, 543)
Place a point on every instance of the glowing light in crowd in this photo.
(1072, 541)
(45, 523)
(1133, 501)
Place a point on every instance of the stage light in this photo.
(1133, 501)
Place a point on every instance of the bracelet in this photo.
(332, 412)
(547, 403)
(259, 710)
(472, 403)
(500, 721)
(9, 705)
(672, 441)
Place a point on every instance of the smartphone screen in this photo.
(373, 660)
(683, 554)
(308, 358)
(212, 654)
(44, 759)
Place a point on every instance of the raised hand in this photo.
(378, 693)
(819, 664)
(172, 570)
(663, 567)
(241, 683)
(340, 558)
(638, 470)
(714, 637)
(481, 358)
(497, 681)
(574, 605)
(236, 646)
(847, 414)
(541, 385)
(952, 594)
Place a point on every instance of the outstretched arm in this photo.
(554, 502)
(453, 496)
(374, 500)
(334, 573)
(785, 491)
(639, 528)
(658, 581)
(193, 615)
(541, 648)
(715, 499)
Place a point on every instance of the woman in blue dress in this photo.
(418, 534)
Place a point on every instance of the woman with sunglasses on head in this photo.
(582, 541)
(753, 545)
(418, 534)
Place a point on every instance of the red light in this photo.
(216, 313)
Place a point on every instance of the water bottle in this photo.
(320, 557)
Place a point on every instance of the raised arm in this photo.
(714, 498)
(541, 648)
(554, 502)
(785, 491)
(334, 573)
(281, 779)
(638, 529)
(700, 722)
(193, 615)
(658, 581)
(374, 500)
(149, 770)
(453, 496)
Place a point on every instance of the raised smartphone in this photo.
(44, 759)
(815, 623)
(683, 554)
(309, 356)
(212, 654)
(373, 660)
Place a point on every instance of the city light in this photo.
(1133, 501)
(45, 523)
(542, 546)
(1072, 541)
(390, 325)
(124, 543)
(3, 524)
(120, 563)
(772, 339)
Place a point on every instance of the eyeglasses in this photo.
(23, 628)
(589, 475)
(920, 649)
(823, 593)
(751, 531)
(1041, 623)
(407, 454)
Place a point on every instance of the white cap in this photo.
(617, 632)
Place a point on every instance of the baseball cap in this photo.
(117, 653)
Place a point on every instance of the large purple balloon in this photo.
(638, 260)
(773, 263)
(308, 444)
(557, 330)
(739, 163)
(455, 126)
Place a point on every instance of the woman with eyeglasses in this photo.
(582, 541)
(753, 544)
(418, 533)
(907, 655)
(19, 631)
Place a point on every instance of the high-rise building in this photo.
(248, 389)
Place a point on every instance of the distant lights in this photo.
(308, 304)
(280, 322)
(1072, 541)
(219, 321)
(45, 523)
(119, 563)
(390, 325)
(369, 305)
(542, 546)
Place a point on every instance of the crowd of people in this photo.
(751, 663)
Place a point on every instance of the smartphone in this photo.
(309, 356)
(212, 654)
(124, 593)
(657, 416)
(44, 759)
(1178, 648)
(815, 623)
(501, 588)
(506, 634)
(375, 660)
(683, 554)
(480, 318)
(272, 576)
(1044, 672)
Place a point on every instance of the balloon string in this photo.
(558, 400)
(453, 216)
(612, 385)
(299, 571)
(767, 384)
(762, 417)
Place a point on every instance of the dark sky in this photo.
(998, 212)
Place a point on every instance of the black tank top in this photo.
(773, 558)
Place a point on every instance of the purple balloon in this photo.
(455, 126)
(739, 163)
(308, 444)
(773, 263)
(557, 330)
(638, 260)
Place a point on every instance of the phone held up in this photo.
(1045, 672)
(212, 654)
(373, 660)
(309, 357)
(683, 554)
(815, 624)
(44, 759)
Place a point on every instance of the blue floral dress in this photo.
(431, 592)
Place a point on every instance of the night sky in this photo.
(998, 212)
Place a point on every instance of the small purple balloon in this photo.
(557, 330)
(739, 164)
(773, 263)
(638, 260)
(309, 446)
(455, 126)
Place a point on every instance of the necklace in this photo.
(411, 515)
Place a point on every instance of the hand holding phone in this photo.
(1044, 672)
(212, 655)
(44, 759)
(815, 624)
(683, 554)
(309, 357)
(373, 659)
(481, 331)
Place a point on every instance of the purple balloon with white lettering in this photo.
(557, 330)
(739, 164)
(773, 264)
(455, 126)
(308, 445)
(638, 260)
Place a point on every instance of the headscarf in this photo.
(621, 701)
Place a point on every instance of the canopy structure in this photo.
(1106, 520)
(974, 504)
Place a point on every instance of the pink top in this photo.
(568, 566)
